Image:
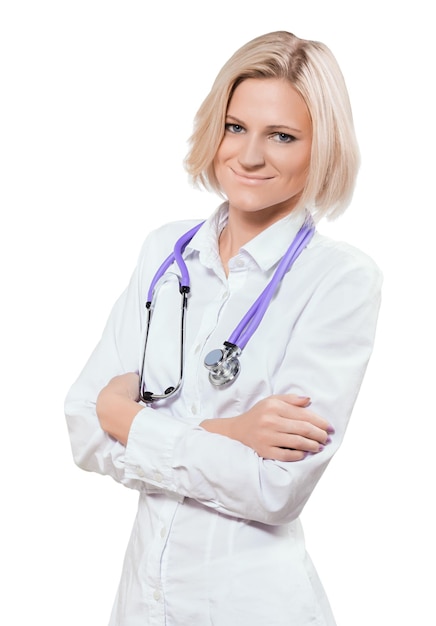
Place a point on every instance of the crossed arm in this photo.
(280, 427)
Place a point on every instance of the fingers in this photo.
(281, 428)
(288, 456)
(303, 444)
(294, 407)
(292, 398)
(302, 430)
(293, 430)
(285, 455)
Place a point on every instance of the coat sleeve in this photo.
(327, 354)
(116, 353)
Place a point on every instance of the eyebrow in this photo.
(269, 127)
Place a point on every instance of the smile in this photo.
(251, 179)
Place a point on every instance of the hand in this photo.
(126, 385)
(278, 427)
(117, 405)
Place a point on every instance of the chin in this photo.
(248, 203)
(256, 205)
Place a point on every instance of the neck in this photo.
(242, 228)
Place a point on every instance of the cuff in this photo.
(150, 448)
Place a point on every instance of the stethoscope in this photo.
(222, 363)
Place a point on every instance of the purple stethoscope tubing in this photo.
(175, 256)
(251, 320)
(223, 365)
(254, 315)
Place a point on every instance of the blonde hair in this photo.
(313, 71)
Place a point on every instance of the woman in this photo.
(224, 467)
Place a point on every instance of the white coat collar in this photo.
(266, 249)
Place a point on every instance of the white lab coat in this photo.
(217, 540)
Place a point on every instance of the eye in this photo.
(284, 138)
(234, 128)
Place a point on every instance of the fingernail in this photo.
(328, 440)
(307, 400)
(330, 429)
(321, 448)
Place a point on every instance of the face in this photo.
(263, 160)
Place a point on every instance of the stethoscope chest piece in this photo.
(223, 364)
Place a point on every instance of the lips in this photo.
(252, 179)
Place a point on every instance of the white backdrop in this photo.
(97, 102)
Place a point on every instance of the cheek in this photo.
(306, 159)
(222, 153)
(300, 166)
(219, 162)
(217, 168)
(218, 157)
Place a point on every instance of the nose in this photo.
(251, 154)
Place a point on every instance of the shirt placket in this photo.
(196, 374)
(154, 577)
(197, 377)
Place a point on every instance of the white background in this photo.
(97, 101)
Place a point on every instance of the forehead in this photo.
(269, 101)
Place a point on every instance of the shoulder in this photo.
(161, 240)
(342, 254)
(338, 261)
(170, 231)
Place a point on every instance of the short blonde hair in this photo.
(314, 72)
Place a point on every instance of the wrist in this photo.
(219, 426)
(116, 413)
